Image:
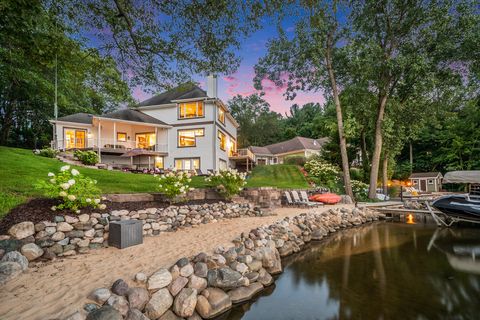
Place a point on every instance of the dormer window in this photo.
(221, 115)
(188, 110)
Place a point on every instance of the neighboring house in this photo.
(186, 128)
(426, 181)
(276, 153)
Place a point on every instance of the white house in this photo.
(186, 128)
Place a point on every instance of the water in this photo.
(378, 271)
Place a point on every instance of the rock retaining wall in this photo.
(70, 235)
(205, 286)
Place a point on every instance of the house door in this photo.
(423, 185)
(75, 138)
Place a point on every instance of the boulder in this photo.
(201, 269)
(119, 303)
(22, 230)
(159, 303)
(178, 284)
(31, 251)
(212, 302)
(15, 256)
(185, 302)
(120, 287)
(8, 271)
(264, 277)
(135, 314)
(100, 295)
(255, 265)
(58, 236)
(186, 271)
(197, 283)
(169, 315)
(105, 313)
(224, 278)
(245, 293)
(141, 277)
(76, 316)
(64, 227)
(159, 279)
(138, 298)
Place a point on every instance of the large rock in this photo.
(178, 284)
(185, 302)
(105, 313)
(64, 227)
(212, 302)
(169, 315)
(264, 277)
(8, 271)
(119, 303)
(186, 271)
(138, 298)
(201, 269)
(22, 230)
(120, 287)
(197, 283)
(245, 293)
(271, 260)
(31, 251)
(159, 303)
(100, 295)
(135, 314)
(159, 279)
(225, 278)
(15, 256)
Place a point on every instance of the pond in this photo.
(380, 271)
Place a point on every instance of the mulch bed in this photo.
(39, 209)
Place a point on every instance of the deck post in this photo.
(156, 141)
(114, 134)
(99, 143)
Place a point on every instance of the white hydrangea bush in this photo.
(75, 190)
(228, 182)
(323, 173)
(175, 184)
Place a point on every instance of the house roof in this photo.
(295, 144)
(78, 117)
(417, 175)
(132, 115)
(186, 91)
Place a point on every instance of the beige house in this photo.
(426, 181)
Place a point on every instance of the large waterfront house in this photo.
(184, 128)
(278, 152)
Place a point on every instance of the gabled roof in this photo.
(132, 115)
(424, 175)
(186, 91)
(295, 144)
(81, 117)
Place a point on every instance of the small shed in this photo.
(426, 181)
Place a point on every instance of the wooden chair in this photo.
(305, 199)
(288, 198)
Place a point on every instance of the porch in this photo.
(244, 159)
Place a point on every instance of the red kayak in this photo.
(327, 198)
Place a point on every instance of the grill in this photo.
(123, 234)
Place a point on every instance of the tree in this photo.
(307, 62)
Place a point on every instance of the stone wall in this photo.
(205, 286)
(70, 235)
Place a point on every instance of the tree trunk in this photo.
(385, 173)
(338, 108)
(364, 152)
(382, 101)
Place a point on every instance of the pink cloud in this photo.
(139, 94)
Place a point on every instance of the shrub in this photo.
(228, 182)
(296, 160)
(88, 158)
(74, 189)
(174, 185)
(360, 190)
(322, 173)
(46, 152)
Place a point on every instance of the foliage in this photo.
(323, 173)
(360, 190)
(88, 158)
(296, 160)
(46, 152)
(228, 182)
(74, 189)
(356, 174)
(175, 185)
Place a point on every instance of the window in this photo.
(187, 164)
(221, 115)
(189, 110)
(187, 138)
(430, 181)
(74, 138)
(145, 140)
(159, 162)
(415, 181)
(223, 140)
(121, 137)
(233, 148)
(222, 164)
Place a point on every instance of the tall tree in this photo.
(307, 62)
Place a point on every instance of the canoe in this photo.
(327, 198)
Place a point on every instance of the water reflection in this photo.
(379, 271)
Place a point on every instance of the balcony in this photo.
(107, 145)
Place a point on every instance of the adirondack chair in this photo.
(297, 200)
(304, 197)
(288, 198)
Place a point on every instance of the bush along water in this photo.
(175, 185)
(75, 190)
(89, 158)
(360, 190)
(227, 182)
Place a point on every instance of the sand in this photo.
(56, 289)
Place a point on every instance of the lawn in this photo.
(20, 170)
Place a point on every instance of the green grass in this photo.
(281, 176)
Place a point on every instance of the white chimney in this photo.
(212, 86)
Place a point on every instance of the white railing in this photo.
(109, 144)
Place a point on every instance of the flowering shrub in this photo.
(360, 190)
(74, 189)
(323, 173)
(174, 185)
(46, 152)
(88, 158)
(228, 182)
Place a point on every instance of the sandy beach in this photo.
(56, 289)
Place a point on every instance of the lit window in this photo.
(190, 110)
(187, 164)
(223, 140)
(121, 137)
(187, 138)
(159, 162)
(232, 148)
(221, 115)
(145, 140)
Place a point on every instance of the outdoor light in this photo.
(410, 219)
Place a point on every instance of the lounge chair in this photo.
(304, 197)
(297, 200)
(288, 198)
